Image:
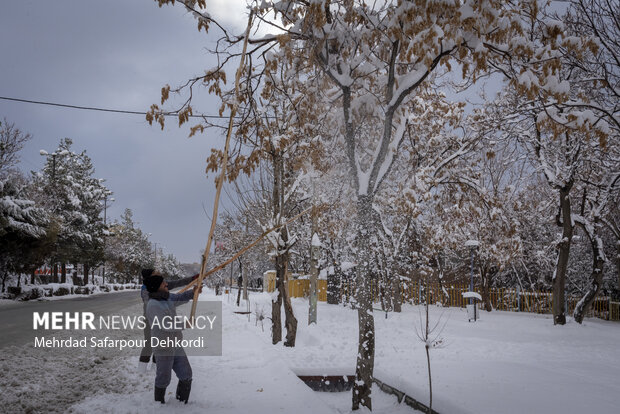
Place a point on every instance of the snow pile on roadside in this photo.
(44, 380)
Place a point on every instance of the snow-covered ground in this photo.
(250, 377)
(504, 363)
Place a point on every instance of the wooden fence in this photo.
(452, 295)
(300, 288)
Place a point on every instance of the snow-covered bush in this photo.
(62, 291)
(31, 294)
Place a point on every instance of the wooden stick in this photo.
(245, 249)
(220, 181)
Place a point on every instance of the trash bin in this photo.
(472, 309)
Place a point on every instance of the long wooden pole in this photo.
(220, 181)
(245, 249)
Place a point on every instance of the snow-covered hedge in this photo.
(30, 292)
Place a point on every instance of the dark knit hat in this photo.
(152, 283)
(146, 273)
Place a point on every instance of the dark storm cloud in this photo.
(114, 54)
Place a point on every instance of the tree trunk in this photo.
(314, 268)
(559, 278)
(276, 314)
(430, 379)
(366, 341)
(239, 286)
(289, 319)
(19, 280)
(364, 367)
(618, 262)
(55, 271)
(63, 273)
(396, 294)
(385, 305)
(290, 322)
(445, 297)
(244, 275)
(32, 276)
(486, 294)
(314, 275)
(86, 270)
(333, 285)
(281, 259)
(598, 262)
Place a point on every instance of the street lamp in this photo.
(105, 225)
(105, 206)
(54, 154)
(472, 245)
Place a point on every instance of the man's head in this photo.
(155, 282)
(146, 273)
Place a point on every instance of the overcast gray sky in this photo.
(116, 54)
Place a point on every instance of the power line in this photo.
(92, 108)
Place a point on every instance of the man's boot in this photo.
(183, 389)
(159, 394)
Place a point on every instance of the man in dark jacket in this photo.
(161, 305)
(147, 351)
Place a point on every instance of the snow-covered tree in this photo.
(269, 203)
(168, 265)
(378, 59)
(564, 110)
(67, 188)
(128, 249)
(25, 228)
(12, 140)
(594, 73)
(612, 224)
(364, 66)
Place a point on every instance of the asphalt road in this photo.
(16, 319)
